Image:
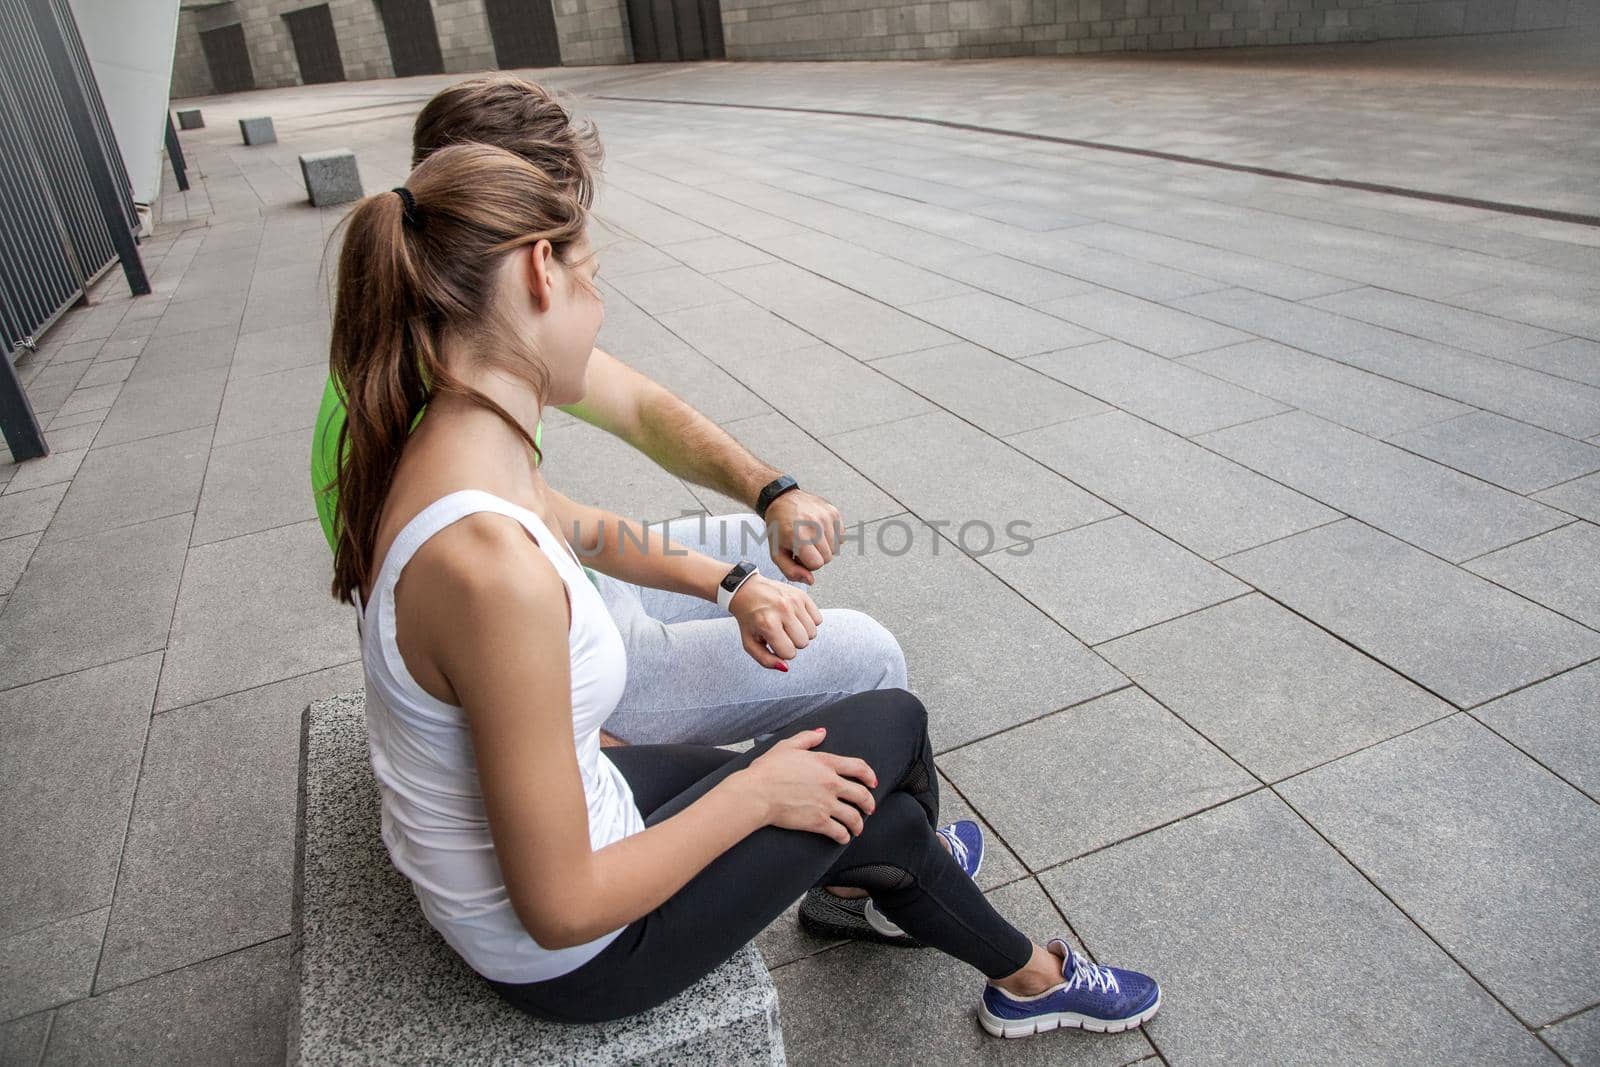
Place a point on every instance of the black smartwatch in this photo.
(772, 491)
(733, 582)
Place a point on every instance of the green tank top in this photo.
(325, 462)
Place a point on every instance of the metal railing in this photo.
(68, 210)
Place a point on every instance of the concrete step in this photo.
(376, 983)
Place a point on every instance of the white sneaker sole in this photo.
(881, 923)
(1062, 1020)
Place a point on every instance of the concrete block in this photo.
(376, 983)
(331, 177)
(258, 131)
(191, 120)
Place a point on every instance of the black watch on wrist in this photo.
(772, 491)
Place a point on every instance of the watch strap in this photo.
(733, 582)
(772, 491)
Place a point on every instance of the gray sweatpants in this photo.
(690, 680)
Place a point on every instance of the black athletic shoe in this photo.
(826, 915)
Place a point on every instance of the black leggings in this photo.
(898, 859)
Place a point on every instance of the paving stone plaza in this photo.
(1294, 700)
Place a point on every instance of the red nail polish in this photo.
(781, 666)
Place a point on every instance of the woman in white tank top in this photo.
(584, 884)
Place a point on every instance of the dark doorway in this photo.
(413, 38)
(315, 45)
(666, 31)
(228, 59)
(524, 33)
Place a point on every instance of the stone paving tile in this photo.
(711, 254)
(1560, 569)
(1511, 454)
(834, 1004)
(997, 394)
(183, 355)
(1556, 722)
(1273, 691)
(71, 756)
(1444, 628)
(255, 485)
(209, 862)
(29, 511)
(1561, 312)
(297, 344)
(1112, 270)
(1224, 907)
(997, 662)
(1016, 497)
(1246, 271)
(163, 405)
(14, 555)
(862, 270)
(126, 484)
(116, 370)
(1339, 393)
(817, 469)
(598, 469)
(1015, 778)
(1574, 357)
(50, 964)
(1015, 280)
(1487, 335)
(827, 392)
(737, 333)
(254, 609)
(192, 315)
(89, 398)
(1414, 814)
(1415, 499)
(1578, 1038)
(1111, 578)
(853, 323)
(234, 1010)
(1165, 392)
(1001, 325)
(54, 469)
(1554, 403)
(1580, 497)
(1208, 504)
(671, 289)
(94, 600)
(622, 255)
(1142, 323)
(270, 404)
(22, 1041)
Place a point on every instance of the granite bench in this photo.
(331, 177)
(258, 131)
(191, 120)
(376, 984)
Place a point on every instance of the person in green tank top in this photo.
(688, 679)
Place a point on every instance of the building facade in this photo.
(228, 45)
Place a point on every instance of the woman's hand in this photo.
(776, 620)
(813, 791)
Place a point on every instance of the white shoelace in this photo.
(958, 851)
(1097, 978)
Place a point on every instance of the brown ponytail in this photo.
(409, 279)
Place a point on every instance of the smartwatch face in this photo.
(735, 576)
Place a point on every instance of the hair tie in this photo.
(412, 217)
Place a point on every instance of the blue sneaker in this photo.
(965, 839)
(1106, 1000)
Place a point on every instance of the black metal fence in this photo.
(66, 205)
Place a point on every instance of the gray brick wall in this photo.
(968, 29)
(593, 32)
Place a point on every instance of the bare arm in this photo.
(498, 633)
(684, 442)
(775, 620)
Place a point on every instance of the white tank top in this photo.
(433, 819)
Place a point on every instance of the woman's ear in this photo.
(540, 266)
